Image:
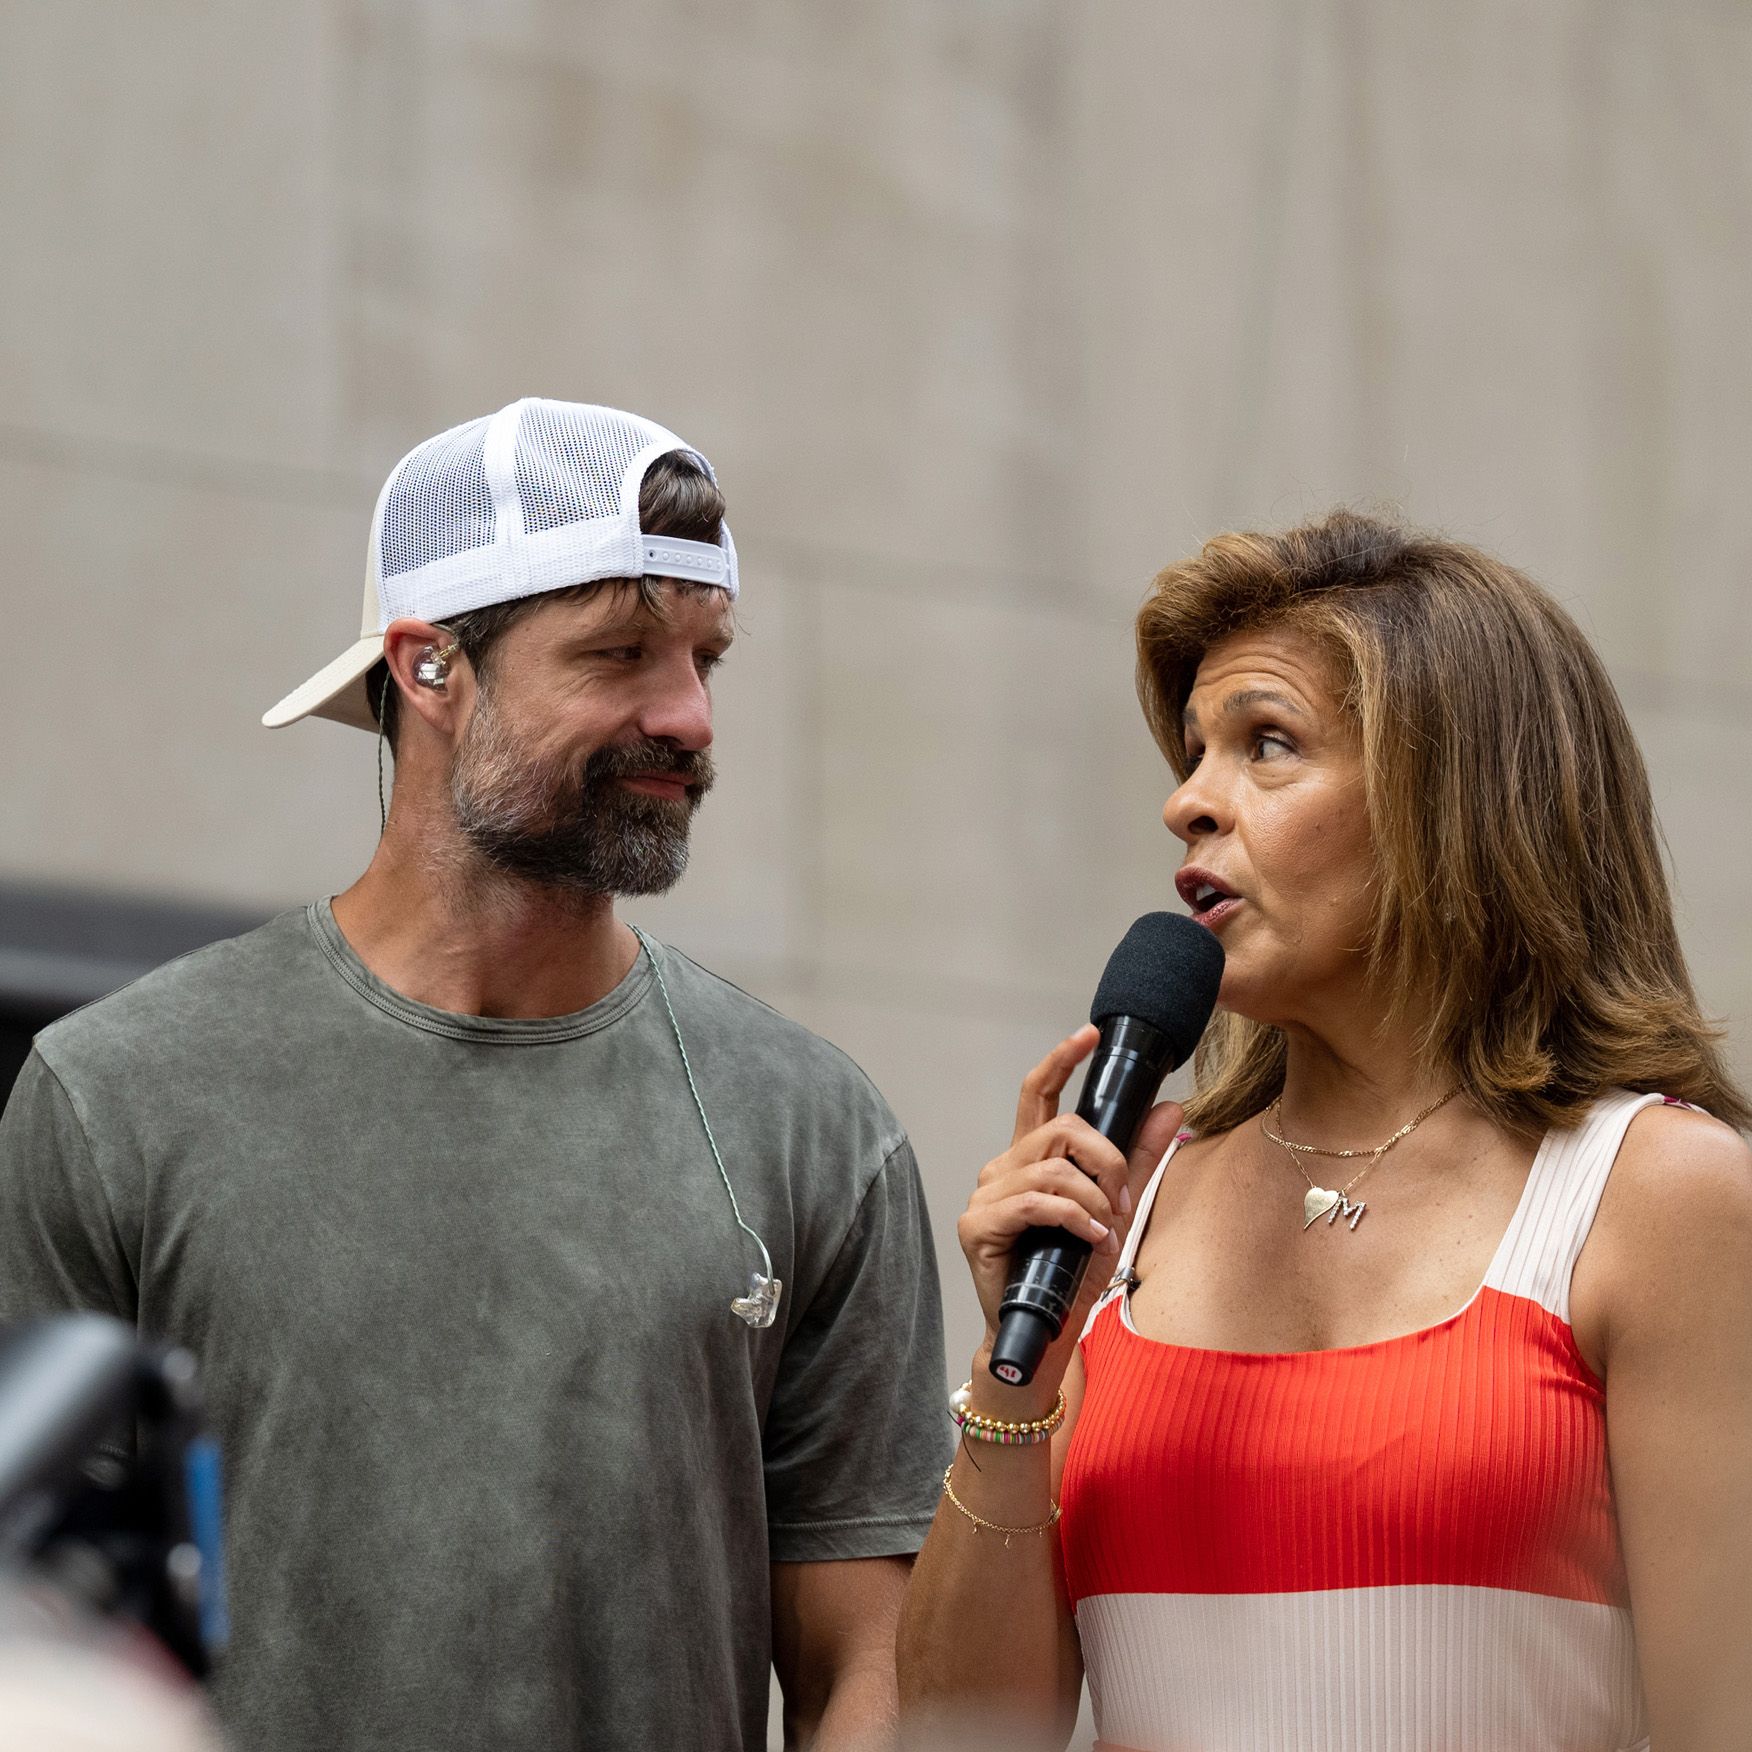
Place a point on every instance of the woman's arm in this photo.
(1663, 1303)
(987, 1641)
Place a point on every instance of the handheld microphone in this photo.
(1152, 1004)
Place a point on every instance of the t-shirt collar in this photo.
(490, 1030)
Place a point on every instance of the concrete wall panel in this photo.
(166, 201)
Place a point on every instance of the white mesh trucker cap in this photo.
(538, 496)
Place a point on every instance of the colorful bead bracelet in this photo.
(1007, 1432)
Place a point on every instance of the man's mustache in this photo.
(693, 767)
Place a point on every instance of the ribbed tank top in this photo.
(1406, 1546)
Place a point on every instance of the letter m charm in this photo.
(1344, 1208)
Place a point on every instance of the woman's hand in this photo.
(1059, 1172)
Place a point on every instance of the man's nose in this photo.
(679, 708)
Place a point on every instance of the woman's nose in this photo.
(1194, 810)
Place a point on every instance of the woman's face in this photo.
(1278, 857)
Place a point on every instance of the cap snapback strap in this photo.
(698, 562)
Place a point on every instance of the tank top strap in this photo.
(1121, 1279)
(1544, 1239)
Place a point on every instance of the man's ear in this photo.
(427, 666)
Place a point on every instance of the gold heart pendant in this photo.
(1316, 1203)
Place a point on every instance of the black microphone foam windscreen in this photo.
(1166, 971)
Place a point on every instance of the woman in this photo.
(1418, 1372)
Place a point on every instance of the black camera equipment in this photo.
(109, 1482)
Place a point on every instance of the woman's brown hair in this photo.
(1522, 918)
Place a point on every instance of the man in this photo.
(451, 1184)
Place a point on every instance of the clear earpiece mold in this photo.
(760, 1307)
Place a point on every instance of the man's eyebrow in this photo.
(1241, 699)
(634, 621)
(619, 627)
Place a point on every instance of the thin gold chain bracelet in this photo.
(980, 1522)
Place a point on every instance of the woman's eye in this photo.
(1268, 745)
(707, 661)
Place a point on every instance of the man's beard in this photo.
(547, 823)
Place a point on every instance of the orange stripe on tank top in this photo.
(1471, 1453)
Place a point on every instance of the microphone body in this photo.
(1151, 1007)
(1129, 1063)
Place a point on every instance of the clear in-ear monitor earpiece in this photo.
(760, 1307)
(434, 664)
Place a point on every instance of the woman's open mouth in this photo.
(1209, 900)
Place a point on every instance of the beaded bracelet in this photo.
(1009, 1433)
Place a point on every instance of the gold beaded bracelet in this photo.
(980, 1522)
(1007, 1432)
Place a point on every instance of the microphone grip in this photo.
(1047, 1264)
(1047, 1273)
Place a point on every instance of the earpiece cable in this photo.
(382, 705)
(700, 1107)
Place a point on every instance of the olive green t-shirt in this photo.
(503, 1470)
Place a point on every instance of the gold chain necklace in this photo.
(1323, 1201)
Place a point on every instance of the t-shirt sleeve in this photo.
(858, 1432)
(60, 1249)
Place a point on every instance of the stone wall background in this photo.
(984, 312)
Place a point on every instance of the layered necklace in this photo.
(1323, 1201)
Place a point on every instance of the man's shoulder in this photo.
(786, 1056)
(189, 1004)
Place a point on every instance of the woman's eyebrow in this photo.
(1241, 699)
(1244, 697)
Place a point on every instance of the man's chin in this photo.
(641, 879)
(654, 869)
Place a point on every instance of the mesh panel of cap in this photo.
(571, 462)
(438, 502)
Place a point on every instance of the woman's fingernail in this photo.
(1101, 1230)
(1125, 1200)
